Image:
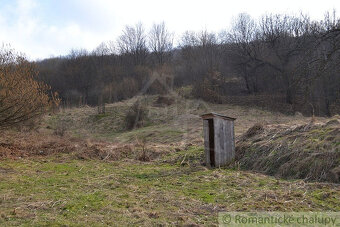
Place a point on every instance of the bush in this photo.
(206, 92)
(141, 145)
(136, 116)
(185, 92)
(21, 97)
(164, 101)
(60, 129)
(209, 89)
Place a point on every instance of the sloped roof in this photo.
(212, 115)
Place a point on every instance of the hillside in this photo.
(82, 165)
(179, 121)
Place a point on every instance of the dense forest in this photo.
(282, 62)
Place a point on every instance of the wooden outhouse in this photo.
(219, 139)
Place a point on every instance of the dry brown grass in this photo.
(17, 145)
(178, 123)
(164, 101)
(254, 130)
(25, 144)
(306, 151)
(173, 127)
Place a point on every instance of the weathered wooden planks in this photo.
(222, 136)
(206, 142)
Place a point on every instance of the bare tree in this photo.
(189, 39)
(160, 42)
(245, 50)
(200, 52)
(287, 58)
(285, 41)
(100, 61)
(322, 83)
(133, 42)
(208, 46)
(102, 49)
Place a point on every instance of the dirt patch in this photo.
(310, 151)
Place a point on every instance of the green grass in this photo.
(173, 190)
(64, 191)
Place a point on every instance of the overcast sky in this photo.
(45, 28)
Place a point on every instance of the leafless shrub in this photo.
(209, 90)
(164, 101)
(136, 116)
(60, 129)
(143, 154)
(22, 97)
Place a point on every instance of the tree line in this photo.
(294, 58)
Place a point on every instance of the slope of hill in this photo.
(175, 123)
(100, 173)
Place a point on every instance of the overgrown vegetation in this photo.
(282, 62)
(310, 151)
(22, 97)
(138, 157)
(136, 116)
(100, 173)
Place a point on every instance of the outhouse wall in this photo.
(224, 141)
(206, 141)
(223, 138)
